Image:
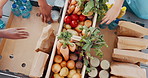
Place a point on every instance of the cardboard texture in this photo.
(131, 29)
(127, 70)
(130, 56)
(23, 51)
(130, 43)
(38, 64)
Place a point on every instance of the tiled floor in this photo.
(128, 16)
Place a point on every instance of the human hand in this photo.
(46, 13)
(15, 33)
(111, 15)
(1, 12)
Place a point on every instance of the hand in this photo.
(15, 33)
(1, 12)
(111, 15)
(46, 13)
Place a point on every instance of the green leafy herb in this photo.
(92, 40)
(65, 38)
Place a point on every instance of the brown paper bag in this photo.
(46, 40)
(127, 70)
(130, 43)
(38, 64)
(131, 29)
(130, 56)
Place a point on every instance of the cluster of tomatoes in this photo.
(74, 19)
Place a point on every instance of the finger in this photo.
(21, 28)
(104, 17)
(23, 37)
(105, 20)
(25, 33)
(38, 14)
(22, 31)
(42, 18)
(109, 21)
(45, 18)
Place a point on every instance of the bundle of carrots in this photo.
(64, 45)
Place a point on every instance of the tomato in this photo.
(82, 18)
(74, 17)
(74, 24)
(67, 19)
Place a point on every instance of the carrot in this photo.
(71, 9)
(77, 9)
(72, 47)
(79, 13)
(59, 44)
(65, 52)
(73, 2)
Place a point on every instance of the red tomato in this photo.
(82, 18)
(74, 24)
(74, 17)
(67, 19)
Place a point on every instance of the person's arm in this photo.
(14, 33)
(2, 3)
(45, 11)
(113, 12)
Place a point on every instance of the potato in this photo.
(67, 26)
(73, 32)
(76, 75)
(73, 57)
(79, 64)
(64, 71)
(71, 73)
(71, 64)
(57, 76)
(63, 64)
(88, 23)
(79, 71)
(56, 68)
(58, 59)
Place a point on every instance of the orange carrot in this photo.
(71, 9)
(73, 2)
(79, 13)
(59, 44)
(77, 9)
(72, 47)
(65, 52)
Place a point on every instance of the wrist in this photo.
(2, 33)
